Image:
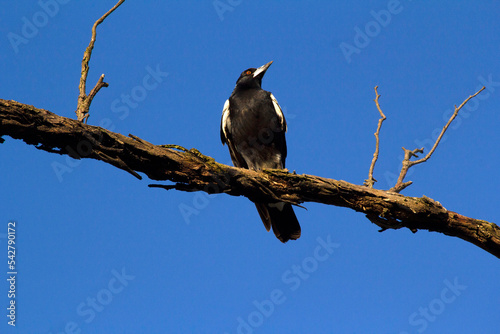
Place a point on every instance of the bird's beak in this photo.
(261, 70)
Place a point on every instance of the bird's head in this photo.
(252, 78)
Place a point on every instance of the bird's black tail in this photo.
(281, 218)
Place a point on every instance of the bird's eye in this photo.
(248, 72)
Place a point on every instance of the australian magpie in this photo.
(253, 126)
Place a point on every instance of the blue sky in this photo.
(100, 252)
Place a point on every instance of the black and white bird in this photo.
(253, 126)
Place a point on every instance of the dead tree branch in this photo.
(371, 181)
(192, 171)
(84, 100)
(407, 163)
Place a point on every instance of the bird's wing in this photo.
(225, 136)
(279, 113)
(224, 123)
(279, 139)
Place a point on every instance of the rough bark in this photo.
(192, 171)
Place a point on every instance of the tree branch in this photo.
(84, 100)
(407, 164)
(192, 171)
(371, 181)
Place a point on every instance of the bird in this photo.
(253, 126)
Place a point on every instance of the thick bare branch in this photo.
(407, 163)
(370, 181)
(192, 171)
(84, 100)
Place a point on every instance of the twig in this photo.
(177, 186)
(370, 181)
(385, 223)
(400, 185)
(84, 100)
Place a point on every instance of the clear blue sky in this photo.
(100, 252)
